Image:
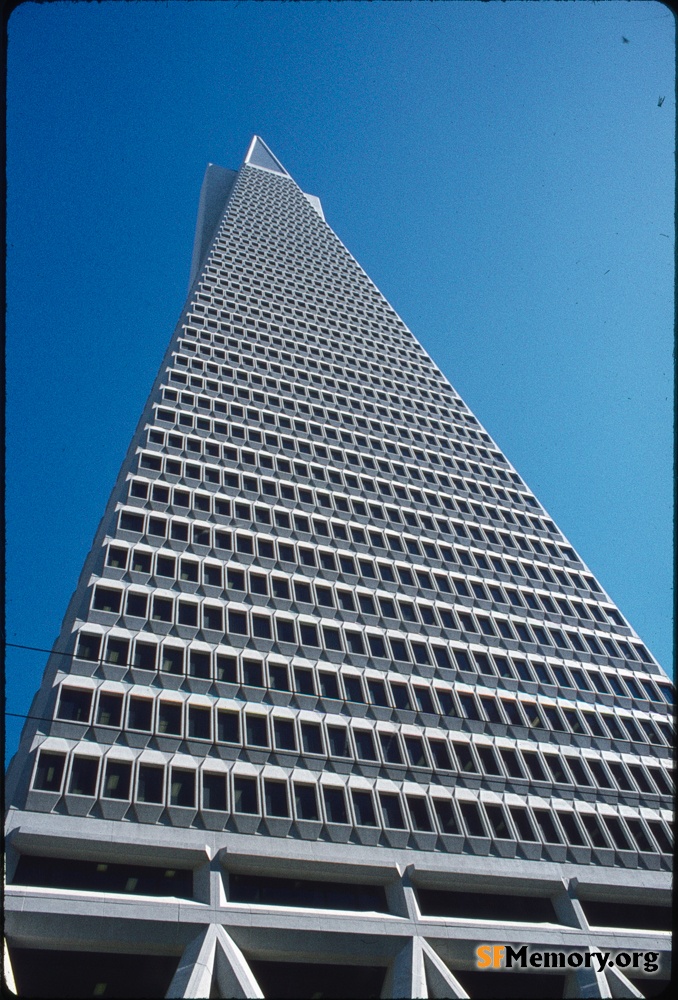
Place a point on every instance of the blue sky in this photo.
(503, 172)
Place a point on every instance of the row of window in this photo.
(231, 293)
(158, 527)
(297, 354)
(415, 477)
(361, 807)
(395, 695)
(256, 437)
(372, 409)
(484, 663)
(270, 491)
(168, 565)
(451, 452)
(260, 623)
(409, 409)
(312, 291)
(196, 721)
(242, 353)
(255, 395)
(241, 389)
(326, 417)
(338, 283)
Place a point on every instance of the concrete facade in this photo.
(333, 690)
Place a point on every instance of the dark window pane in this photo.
(335, 805)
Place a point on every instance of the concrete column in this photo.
(8, 971)
(233, 974)
(568, 908)
(193, 977)
(620, 987)
(441, 983)
(405, 977)
(11, 860)
(400, 894)
(584, 983)
(207, 882)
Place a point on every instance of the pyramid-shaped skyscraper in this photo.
(334, 703)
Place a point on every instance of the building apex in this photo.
(259, 155)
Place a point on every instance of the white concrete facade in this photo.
(326, 637)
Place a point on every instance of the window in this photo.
(547, 826)
(49, 772)
(335, 805)
(117, 650)
(261, 627)
(338, 741)
(106, 599)
(391, 748)
(213, 617)
(377, 691)
(117, 557)
(285, 630)
(278, 677)
(500, 828)
(488, 760)
(228, 727)
(364, 808)
(399, 650)
(214, 791)
(140, 714)
(391, 811)
(311, 738)
(534, 766)
(256, 730)
(415, 751)
(377, 645)
(245, 798)
(305, 802)
(592, 827)
(521, 818)
(285, 738)
(237, 622)
(275, 794)
(331, 638)
(117, 781)
(354, 641)
(212, 575)
(88, 646)
(150, 783)
(74, 704)
(445, 815)
(169, 718)
(364, 744)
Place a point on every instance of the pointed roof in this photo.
(259, 155)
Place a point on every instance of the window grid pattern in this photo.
(318, 558)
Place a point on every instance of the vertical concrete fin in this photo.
(441, 982)
(234, 976)
(193, 977)
(216, 187)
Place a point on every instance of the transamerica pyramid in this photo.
(334, 704)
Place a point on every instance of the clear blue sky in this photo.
(503, 172)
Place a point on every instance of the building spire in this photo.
(259, 155)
